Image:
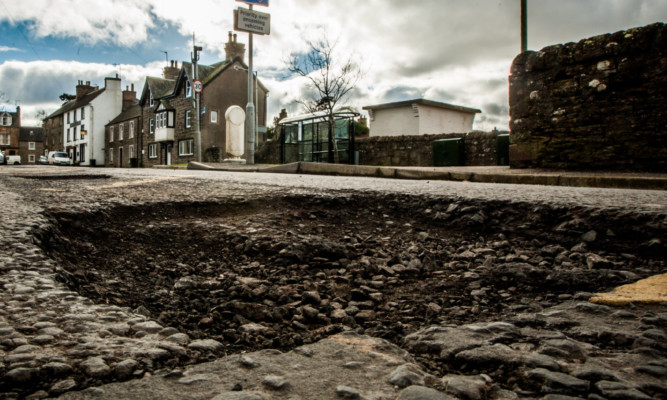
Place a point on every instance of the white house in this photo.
(419, 117)
(85, 117)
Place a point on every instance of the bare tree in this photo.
(330, 78)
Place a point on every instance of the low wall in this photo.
(480, 149)
(600, 103)
(399, 151)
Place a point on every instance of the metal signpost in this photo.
(248, 20)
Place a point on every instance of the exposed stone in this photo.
(422, 393)
(406, 375)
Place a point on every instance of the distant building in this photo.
(82, 121)
(31, 144)
(123, 133)
(10, 123)
(419, 117)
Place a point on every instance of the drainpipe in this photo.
(92, 133)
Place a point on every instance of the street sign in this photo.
(197, 86)
(252, 21)
(256, 2)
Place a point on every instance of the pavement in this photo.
(484, 174)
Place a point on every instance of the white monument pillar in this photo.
(235, 128)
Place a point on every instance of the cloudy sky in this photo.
(455, 51)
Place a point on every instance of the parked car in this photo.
(2, 157)
(58, 158)
(43, 160)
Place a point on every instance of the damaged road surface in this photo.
(230, 290)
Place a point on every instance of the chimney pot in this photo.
(132, 87)
(235, 38)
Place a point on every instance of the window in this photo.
(6, 119)
(5, 139)
(82, 131)
(152, 150)
(83, 113)
(31, 158)
(31, 145)
(68, 114)
(186, 147)
(121, 131)
(131, 151)
(74, 114)
(131, 129)
(188, 118)
(111, 134)
(69, 138)
(188, 88)
(110, 155)
(152, 101)
(214, 117)
(151, 126)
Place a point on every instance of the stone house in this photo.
(419, 117)
(168, 108)
(31, 144)
(84, 120)
(53, 133)
(123, 133)
(10, 123)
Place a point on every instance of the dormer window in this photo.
(6, 119)
(188, 89)
(151, 101)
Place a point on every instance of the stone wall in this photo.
(596, 104)
(480, 149)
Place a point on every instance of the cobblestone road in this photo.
(48, 331)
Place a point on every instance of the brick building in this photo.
(10, 123)
(31, 144)
(168, 108)
(123, 133)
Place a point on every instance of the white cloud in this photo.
(4, 49)
(454, 51)
(122, 22)
(38, 84)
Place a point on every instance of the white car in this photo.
(58, 158)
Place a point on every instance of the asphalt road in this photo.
(644, 201)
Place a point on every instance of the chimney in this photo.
(83, 89)
(171, 71)
(233, 48)
(129, 97)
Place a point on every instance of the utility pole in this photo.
(250, 109)
(195, 76)
(524, 25)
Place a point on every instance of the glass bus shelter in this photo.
(308, 138)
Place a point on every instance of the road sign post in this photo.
(248, 20)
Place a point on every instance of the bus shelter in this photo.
(309, 137)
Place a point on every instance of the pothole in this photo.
(281, 272)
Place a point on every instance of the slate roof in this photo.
(76, 103)
(130, 113)
(9, 108)
(31, 134)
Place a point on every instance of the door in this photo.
(120, 157)
(169, 154)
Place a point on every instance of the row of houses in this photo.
(17, 140)
(110, 126)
